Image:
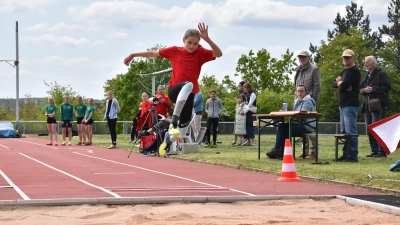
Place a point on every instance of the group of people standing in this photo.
(84, 115)
(307, 80)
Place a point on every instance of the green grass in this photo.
(246, 157)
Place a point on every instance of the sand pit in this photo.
(291, 211)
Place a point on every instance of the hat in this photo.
(304, 53)
(348, 52)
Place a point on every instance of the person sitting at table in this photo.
(303, 103)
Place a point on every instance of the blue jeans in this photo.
(348, 125)
(372, 117)
(283, 133)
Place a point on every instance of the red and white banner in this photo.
(387, 132)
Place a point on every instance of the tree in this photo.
(129, 87)
(209, 83)
(394, 31)
(57, 92)
(389, 64)
(7, 111)
(353, 18)
(331, 65)
(264, 71)
(30, 109)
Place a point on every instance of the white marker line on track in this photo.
(167, 174)
(38, 144)
(5, 147)
(88, 150)
(16, 188)
(114, 173)
(76, 178)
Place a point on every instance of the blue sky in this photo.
(83, 43)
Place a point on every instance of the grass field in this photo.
(246, 157)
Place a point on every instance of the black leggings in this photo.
(112, 125)
(186, 114)
(214, 122)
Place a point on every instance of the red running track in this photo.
(30, 170)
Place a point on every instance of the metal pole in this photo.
(153, 85)
(17, 78)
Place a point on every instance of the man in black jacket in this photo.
(375, 85)
(348, 83)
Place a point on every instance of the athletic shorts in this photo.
(79, 120)
(51, 120)
(67, 123)
(89, 122)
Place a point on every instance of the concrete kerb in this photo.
(377, 206)
(156, 200)
(314, 179)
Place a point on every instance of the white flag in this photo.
(387, 132)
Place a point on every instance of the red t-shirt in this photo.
(162, 108)
(186, 66)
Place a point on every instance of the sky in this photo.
(83, 43)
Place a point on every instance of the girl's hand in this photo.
(128, 60)
(203, 29)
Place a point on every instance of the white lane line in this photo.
(167, 174)
(48, 146)
(5, 147)
(114, 173)
(16, 188)
(88, 150)
(72, 176)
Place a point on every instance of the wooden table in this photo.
(294, 116)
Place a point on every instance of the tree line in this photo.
(269, 76)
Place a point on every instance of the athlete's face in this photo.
(90, 102)
(51, 101)
(110, 95)
(213, 95)
(145, 97)
(191, 43)
(80, 100)
(66, 99)
(160, 90)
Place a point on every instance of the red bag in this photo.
(145, 141)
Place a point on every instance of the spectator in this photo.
(50, 113)
(240, 91)
(213, 110)
(112, 109)
(80, 110)
(145, 116)
(88, 120)
(67, 116)
(198, 111)
(303, 102)
(136, 125)
(348, 83)
(163, 102)
(251, 99)
(376, 84)
(240, 120)
(308, 75)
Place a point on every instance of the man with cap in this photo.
(308, 74)
(348, 83)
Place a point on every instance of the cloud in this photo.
(237, 50)
(61, 40)
(376, 7)
(231, 13)
(56, 27)
(79, 62)
(117, 35)
(8, 6)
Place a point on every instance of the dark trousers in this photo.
(112, 125)
(214, 123)
(133, 130)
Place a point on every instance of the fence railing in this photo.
(124, 127)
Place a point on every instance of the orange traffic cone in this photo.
(288, 167)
